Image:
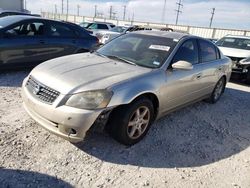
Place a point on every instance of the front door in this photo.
(183, 86)
(23, 45)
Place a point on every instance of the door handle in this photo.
(42, 41)
(220, 68)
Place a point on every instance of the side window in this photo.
(60, 30)
(27, 29)
(208, 51)
(187, 52)
(93, 26)
(102, 26)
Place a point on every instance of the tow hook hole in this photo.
(72, 131)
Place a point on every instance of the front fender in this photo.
(125, 93)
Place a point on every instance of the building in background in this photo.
(13, 5)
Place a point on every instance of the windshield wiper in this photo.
(121, 59)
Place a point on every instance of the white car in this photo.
(238, 49)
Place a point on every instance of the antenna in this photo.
(212, 17)
(180, 5)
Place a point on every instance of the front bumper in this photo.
(240, 69)
(63, 121)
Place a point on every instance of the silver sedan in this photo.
(127, 84)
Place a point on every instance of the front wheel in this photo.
(218, 91)
(130, 123)
(248, 76)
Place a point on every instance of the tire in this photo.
(124, 125)
(218, 91)
(248, 77)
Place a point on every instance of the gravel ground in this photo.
(202, 145)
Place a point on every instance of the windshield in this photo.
(143, 50)
(85, 24)
(9, 20)
(231, 42)
(118, 29)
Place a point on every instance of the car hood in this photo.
(82, 72)
(234, 52)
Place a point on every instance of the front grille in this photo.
(40, 91)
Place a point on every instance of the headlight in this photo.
(245, 61)
(106, 36)
(90, 100)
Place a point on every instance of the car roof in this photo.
(174, 35)
(17, 18)
(238, 36)
(104, 23)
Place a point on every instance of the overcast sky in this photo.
(228, 14)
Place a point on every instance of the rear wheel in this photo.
(130, 123)
(218, 91)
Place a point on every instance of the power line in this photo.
(124, 12)
(164, 12)
(180, 5)
(212, 17)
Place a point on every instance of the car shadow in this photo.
(197, 135)
(20, 179)
(13, 78)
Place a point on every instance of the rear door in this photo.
(23, 44)
(62, 39)
(210, 64)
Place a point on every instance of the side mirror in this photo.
(182, 65)
(8, 34)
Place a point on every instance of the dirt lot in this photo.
(200, 146)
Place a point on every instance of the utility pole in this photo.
(67, 8)
(78, 10)
(95, 10)
(133, 17)
(62, 5)
(25, 4)
(180, 5)
(55, 9)
(163, 12)
(110, 12)
(124, 12)
(212, 17)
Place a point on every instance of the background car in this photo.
(116, 31)
(27, 41)
(128, 83)
(96, 27)
(105, 36)
(238, 49)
